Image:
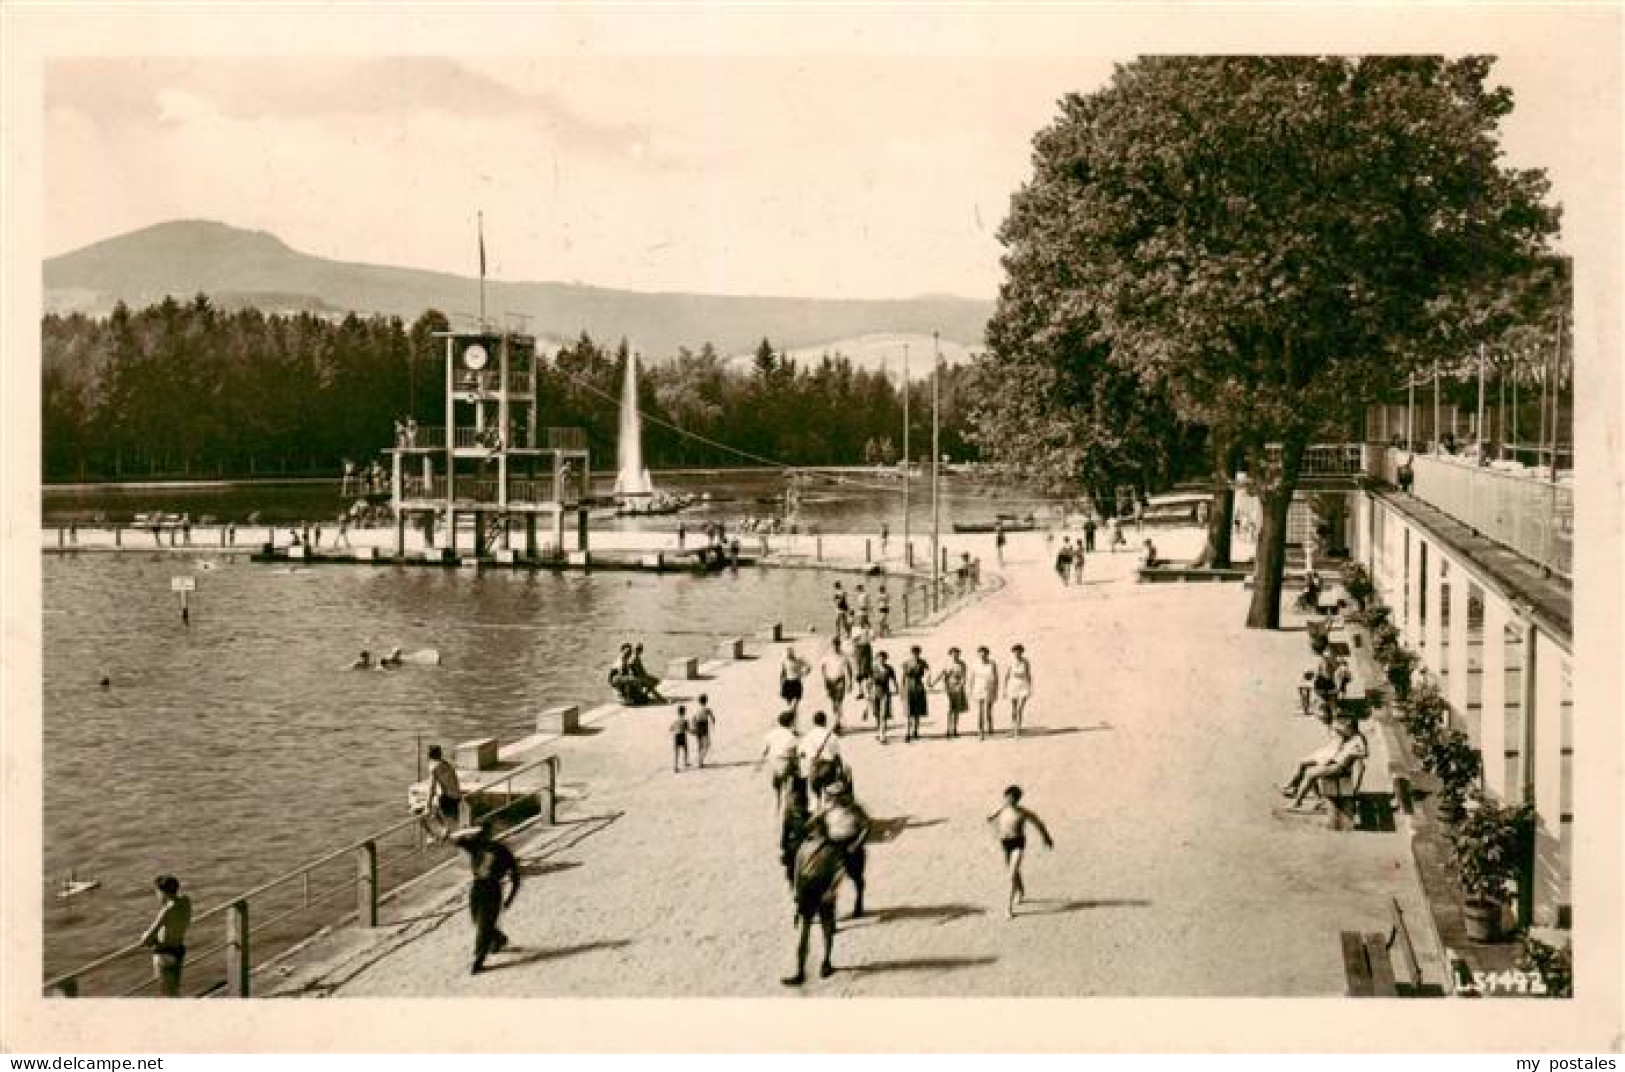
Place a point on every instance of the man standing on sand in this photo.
(817, 876)
(1089, 534)
(702, 722)
(833, 668)
(167, 935)
(1010, 822)
(779, 751)
(998, 540)
(490, 862)
(983, 680)
(819, 755)
(791, 672)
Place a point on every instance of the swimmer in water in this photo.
(362, 661)
(1010, 822)
(391, 661)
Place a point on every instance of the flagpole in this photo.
(482, 269)
(905, 455)
(936, 463)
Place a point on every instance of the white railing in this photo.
(1523, 509)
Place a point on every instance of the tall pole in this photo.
(905, 451)
(936, 464)
(1438, 440)
(1410, 414)
(1557, 393)
(1501, 411)
(1481, 400)
(482, 269)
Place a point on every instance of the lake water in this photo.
(239, 749)
(848, 501)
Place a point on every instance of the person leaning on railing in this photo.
(167, 935)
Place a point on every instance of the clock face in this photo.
(475, 357)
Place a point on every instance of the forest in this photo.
(187, 390)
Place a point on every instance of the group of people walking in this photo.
(855, 669)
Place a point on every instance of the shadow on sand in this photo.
(1042, 906)
(921, 964)
(942, 913)
(539, 955)
(547, 867)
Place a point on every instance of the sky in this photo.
(824, 175)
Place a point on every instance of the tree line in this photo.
(185, 389)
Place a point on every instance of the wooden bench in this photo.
(480, 755)
(1369, 960)
(1342, 793)
(1366, 966)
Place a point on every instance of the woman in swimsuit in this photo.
(1010, 823)
(1018, 685)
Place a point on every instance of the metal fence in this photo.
(1520, 510)
(350, 883)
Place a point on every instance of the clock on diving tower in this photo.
(492, 464)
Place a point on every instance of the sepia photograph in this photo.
(715, 502)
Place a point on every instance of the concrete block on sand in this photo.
(684, 669)
(773, 633)
(477, 755)
(566, 718)
(732, 648)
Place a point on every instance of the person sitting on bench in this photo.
(1332, 760)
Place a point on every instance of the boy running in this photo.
(1010, 823)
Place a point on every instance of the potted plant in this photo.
(1398, 666)
(1451, 758)
(1489, 848)
(1553, 964)
(1358, 584)
(1423, 716)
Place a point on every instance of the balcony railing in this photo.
(1322, 460)
(1521, 509)
(433, 437)
(469, 489)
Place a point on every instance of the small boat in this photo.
(73, 886)
(654, 506)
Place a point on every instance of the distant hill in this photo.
(251, 268)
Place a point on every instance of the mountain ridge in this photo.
(186, 257)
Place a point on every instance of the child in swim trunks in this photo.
(679, 738)
(1010, 823)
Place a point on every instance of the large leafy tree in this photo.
(1273, 239)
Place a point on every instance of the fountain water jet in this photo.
(631, 478)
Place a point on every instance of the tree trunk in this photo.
(1270, 560)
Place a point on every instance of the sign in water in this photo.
(185, 586)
